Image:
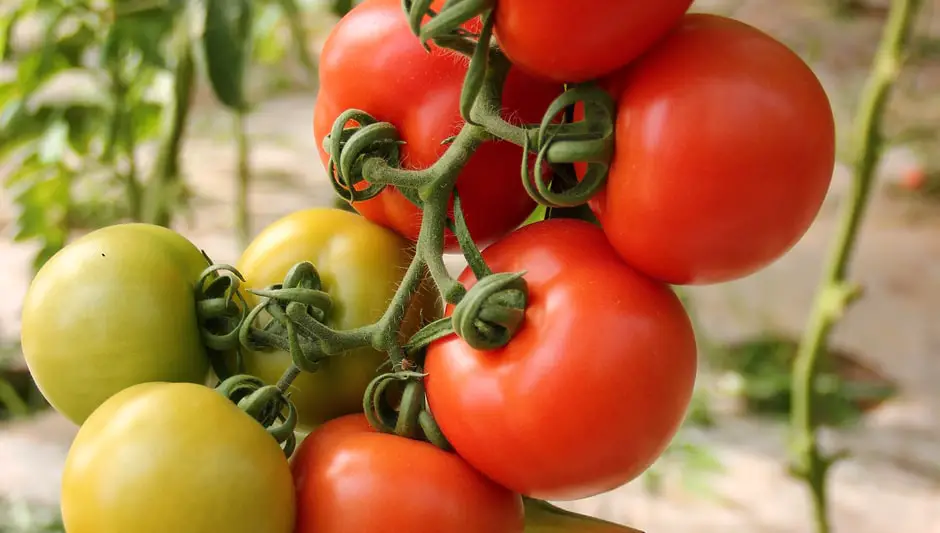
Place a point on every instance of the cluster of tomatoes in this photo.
(722, 155)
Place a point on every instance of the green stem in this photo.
(165, 181)
(242, 214)
(835, 293)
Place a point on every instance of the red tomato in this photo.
(725, 147)
(372, 62)
(570, 41)
(592, 387)
(350, 479)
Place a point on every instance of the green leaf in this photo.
(44, 208)
(85, 124)
(268, 45)
(54, 144)
(147, 120)
(7, 26)
(227, 45)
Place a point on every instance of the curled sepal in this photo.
(449, 20)
(350, 146)
(220, 307)
(476, 72)
(267, 404)
(380, 414)
(492, 311)
(590, 141)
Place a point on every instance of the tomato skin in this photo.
(351, 479)
(179, 457)
(361, 265)
(567, 41)
(713, 180)
(112, 309)
(592, 387)
(372, 62)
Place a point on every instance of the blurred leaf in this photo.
(145, 32)
(147, 120)
(37, 66)
(268, 45)
(44, 206)
(227, 44)
(54, 143)
(85, 124)
(7, 26)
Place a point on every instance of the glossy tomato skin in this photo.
(361, 265)
(574, 41)
(592, 387)
(725, 147)
(372, 62)
(180, 457)
(112, 309)
(351, 479)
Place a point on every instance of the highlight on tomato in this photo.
(372, 62)
(360, 265)
(180, 457)
(725, 148)
(575, 41)
(351, 479)
(592, 387)
(112, 309)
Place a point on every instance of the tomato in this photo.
(372, 62)
(361, 265)
(592, 387)
(112, 309)
(568, 41)
(725, 148)
(182, 249)
(350, 479)
(179, 457)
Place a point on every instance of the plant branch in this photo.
(836, 293)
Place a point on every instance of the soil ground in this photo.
(891, 482)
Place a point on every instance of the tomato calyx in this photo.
(268, 404)
(447, 21)
(412, 419)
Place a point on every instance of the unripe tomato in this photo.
(361, 265)
(113, 309)
(372, 62)
(175, 457)
(351, 479)
(725, 148)
(574, 40)
(592, 387)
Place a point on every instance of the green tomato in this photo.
(175, 457)
(112, 309)
(361, 265)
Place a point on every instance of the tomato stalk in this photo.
(836, 293)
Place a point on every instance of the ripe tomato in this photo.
(112, 309)
(568, 41)
(350, 479)
(361, 265)
(179, 457)
(372, 62)
(725, 147)
(592, 387)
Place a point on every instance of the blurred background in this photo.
(220, 178)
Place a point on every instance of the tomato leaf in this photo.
(227, 44)
(54, 144)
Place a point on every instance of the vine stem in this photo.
(836, 293)
(242, 216)
(166, 173)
